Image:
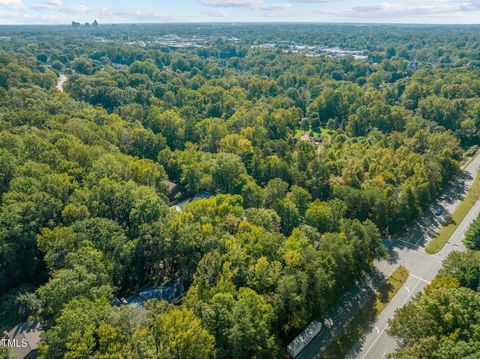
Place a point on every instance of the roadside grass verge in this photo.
(444, 234)
(352, 333)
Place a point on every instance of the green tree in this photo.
(472, 236)
(465, 266)
(74, 333)
(325, 216)
(85, 276)
(250, 334)
(226, 173)
(442, 323)
(177, 333)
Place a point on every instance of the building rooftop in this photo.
(24, 339)
(202, 195)
(171, 291)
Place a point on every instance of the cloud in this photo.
(102, 14)
(408, 10)
(233, 3)
(316, 1)
(49, 5)
(139, 16)
(60, 8)
(218, 13)
(77, 9)
(250, 4)
(473, 5)
(396, 9)
(275, 6)
(11, 4)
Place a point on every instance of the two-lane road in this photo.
(409, 251)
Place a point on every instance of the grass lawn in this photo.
(323, 131)
(444, 234)
(367, 315)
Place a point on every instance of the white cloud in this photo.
(11, 4)
(274, 6)
(49, 5)
(233, 3)
(51, 12)
(218, 13)
(55, 3)
(251, 4)
(78, 9)
(409, 11)
(315, 1)
(395, 9)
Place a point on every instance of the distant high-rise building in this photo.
(75, 24)
(95, 23)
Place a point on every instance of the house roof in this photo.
(170, 185)
(29, 332)
(201, 195)
(170, 291)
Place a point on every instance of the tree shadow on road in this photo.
(428, 224)
(350, 342)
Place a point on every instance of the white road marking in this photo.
(378, 330)
(408, 290)
(375, 342)
(384, 354)
(408, 296)
(423, 280)
(380, 334)
(407, 243)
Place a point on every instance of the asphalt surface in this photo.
(407, 250)
(410, 252)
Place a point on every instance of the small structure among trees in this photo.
(23, 340)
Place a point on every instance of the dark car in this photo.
(438, 211)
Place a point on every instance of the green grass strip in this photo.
(444, 234)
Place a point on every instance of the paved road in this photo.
(339, 316)
(407, 250)
(422, 267)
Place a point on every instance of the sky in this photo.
(165, 11)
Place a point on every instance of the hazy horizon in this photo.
(55, 12)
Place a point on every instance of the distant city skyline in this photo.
(165, 11)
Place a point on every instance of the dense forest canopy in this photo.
(310, 155)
